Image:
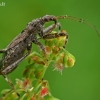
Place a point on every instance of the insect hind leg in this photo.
(12, 87)
(8, 70)
(11, 67)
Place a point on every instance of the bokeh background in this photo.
(82, 82)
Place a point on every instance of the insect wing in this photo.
(17, 40)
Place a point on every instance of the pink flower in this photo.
(44, 91)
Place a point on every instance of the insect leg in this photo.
(56, 35)
(12, 86)
(11, 67)
(35, 41)
(49, 29)
(3, 51)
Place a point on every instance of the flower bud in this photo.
(69, 60)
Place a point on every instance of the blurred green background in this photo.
(82, 82)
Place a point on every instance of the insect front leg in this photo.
(47, 35)
(56, 35)
(50, 28)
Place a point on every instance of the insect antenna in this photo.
(81, 21)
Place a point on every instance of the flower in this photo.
(44, 91)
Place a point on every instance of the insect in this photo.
(15, 52)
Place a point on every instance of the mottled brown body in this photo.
(15, 51)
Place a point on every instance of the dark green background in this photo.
(82, 82)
